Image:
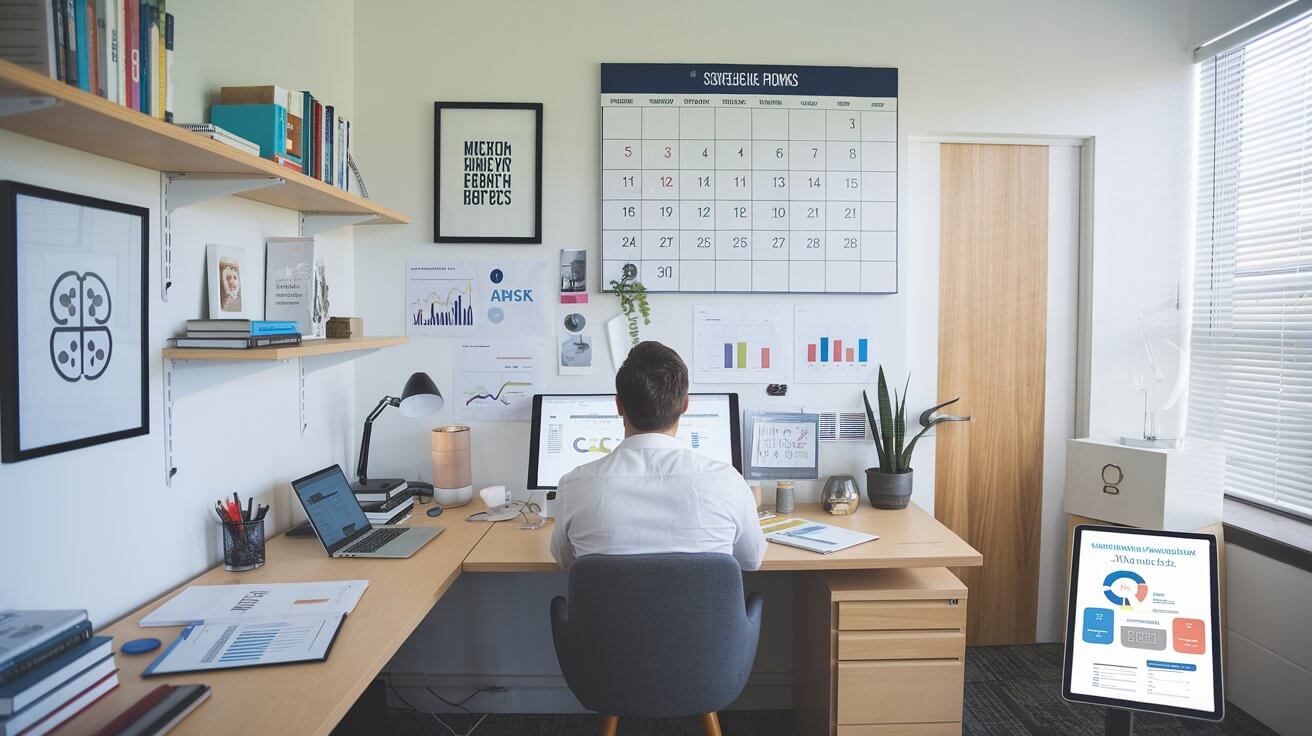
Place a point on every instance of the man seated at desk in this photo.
(650, 494)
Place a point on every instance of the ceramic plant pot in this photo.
(888, 490)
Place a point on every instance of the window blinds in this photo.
(1251, 354)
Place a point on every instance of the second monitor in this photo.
(570, 430)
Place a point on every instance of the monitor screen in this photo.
(333, 510)
(1141, 629)
(570, 430)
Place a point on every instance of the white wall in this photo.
(98, 528)
(1120, 72)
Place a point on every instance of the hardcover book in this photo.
(296, 287)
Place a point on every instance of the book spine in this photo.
(111, 53)
(61, 46)
(80, 33)
(11, 670)
(307, 131)
(143, 39)
(95, 27)
(131, 58)
(317, 132)
(168, 67)
(160, 49)
(329, 134)
(265, 342)
(70, 37)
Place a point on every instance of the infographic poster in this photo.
(1143, 627)
(496, 379)
(454, 298)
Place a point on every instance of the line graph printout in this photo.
(439, 297)
(739, 344)
(496, 379)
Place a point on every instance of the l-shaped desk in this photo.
(884, 615)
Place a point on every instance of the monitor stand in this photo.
(1119, 722)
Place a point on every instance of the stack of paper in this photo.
(811, 535)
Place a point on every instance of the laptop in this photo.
(343, 528)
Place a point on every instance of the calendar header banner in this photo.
(748, 79)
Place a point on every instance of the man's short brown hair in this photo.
(652, 385)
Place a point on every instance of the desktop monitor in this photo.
(570, 430)
(1142, 624)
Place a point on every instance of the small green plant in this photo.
(633, 299)
(890, 430)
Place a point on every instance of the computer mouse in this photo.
(435, 511)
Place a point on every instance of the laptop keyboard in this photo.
(375, 541)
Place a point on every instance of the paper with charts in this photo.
(256, 601)
(737, 177)
(496, 379)
(453, 298)
(733, 344)
(835, 344)
(225, 645)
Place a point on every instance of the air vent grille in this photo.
(842, 426)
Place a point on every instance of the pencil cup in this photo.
(243, 544)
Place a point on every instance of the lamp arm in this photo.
(362, 465)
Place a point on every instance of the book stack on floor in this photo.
(51, 669)
(291, 128)
(238, 334)
(121, 50)
(394, 510)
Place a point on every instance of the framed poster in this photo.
(74, 321)
(487, 172)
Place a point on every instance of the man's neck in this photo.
(630, 431)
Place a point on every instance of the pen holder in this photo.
(243, 544)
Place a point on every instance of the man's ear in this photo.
(619, 405)
(684, 408)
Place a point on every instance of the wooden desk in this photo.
(907, 538)
(305, 698)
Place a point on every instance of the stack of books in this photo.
(394, 510)
(238, 334)
(121, 50)
(227, 138)
(291, 128)
(51, 669)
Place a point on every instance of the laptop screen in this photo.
(332, 508)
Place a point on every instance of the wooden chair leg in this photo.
(609, 724)
(711, 724)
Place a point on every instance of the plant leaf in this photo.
(885, 424)
(874, 429)
(900, 426)
(911, 446)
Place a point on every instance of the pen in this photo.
(250, 503)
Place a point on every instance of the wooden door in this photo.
(993, 288)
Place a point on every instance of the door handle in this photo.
(931, 417)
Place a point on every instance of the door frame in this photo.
(1083, 256)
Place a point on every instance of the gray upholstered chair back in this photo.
(656, 636)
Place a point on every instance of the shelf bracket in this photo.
(10, 106)
(301, 422)
(170, 469)
(180, 190)
(313, 223)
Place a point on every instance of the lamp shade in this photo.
(420, 398)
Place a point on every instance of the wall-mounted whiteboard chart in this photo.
(737, 178)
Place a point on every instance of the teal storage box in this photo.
(263, 125)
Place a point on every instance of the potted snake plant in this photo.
(889, 483)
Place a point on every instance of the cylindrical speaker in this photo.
(452, 481)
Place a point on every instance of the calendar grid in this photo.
(764, 179)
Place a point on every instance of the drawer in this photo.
(902, 729)
(908, 691)
(945, 644)
(895, 615)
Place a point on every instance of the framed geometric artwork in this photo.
(74, 321)
(487, 172)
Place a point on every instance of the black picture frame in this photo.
(438, 237)
(11, 448)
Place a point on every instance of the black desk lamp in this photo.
(419, 398)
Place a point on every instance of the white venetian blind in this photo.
(1251, 356)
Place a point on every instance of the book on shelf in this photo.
(226, 137)
(250, 327)
(295, 287)
(265, 125)
(286, 162)
(46, 677)
(379, 496)
(168, 67)
(132, 55)
(239, 342)
(48, 722)
(28, 35)
(29, 639)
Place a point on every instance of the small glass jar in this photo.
(784, 501)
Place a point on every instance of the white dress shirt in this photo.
(650, 495)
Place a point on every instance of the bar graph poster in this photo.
(834, 344)
(452, 298)
(495, 379)
(739, 344)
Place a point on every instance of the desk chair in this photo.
(656, 636)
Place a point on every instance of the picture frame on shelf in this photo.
(225, 278)
(487, 172)
(74, 321)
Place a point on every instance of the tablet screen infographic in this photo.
(1141, 629)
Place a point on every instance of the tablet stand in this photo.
(1119, 722)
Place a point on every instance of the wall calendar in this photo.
(746, 178)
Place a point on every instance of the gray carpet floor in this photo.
(1010, 691)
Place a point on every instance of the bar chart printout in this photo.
(738, 345)
(225, 644)
(835, 344)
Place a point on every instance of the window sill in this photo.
(1282, 538)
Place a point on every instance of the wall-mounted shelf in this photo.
(81, 120)
(306, 349)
